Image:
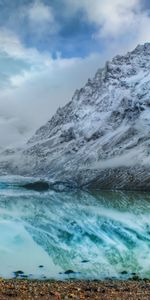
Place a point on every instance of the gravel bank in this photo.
(53, 290)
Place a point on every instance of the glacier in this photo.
(101, 138)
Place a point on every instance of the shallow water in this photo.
(101, 235)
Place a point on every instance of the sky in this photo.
(49, 48)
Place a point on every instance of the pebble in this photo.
(21, 289)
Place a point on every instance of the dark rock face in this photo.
(100, 139)
(39, 186)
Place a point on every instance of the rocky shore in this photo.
(53, 290)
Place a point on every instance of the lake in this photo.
(73, 235)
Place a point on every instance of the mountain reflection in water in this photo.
(101, 235)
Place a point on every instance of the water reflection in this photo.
(97, 235)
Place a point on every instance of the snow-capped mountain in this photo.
(101, 138)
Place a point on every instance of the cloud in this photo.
(38, 12)
(40, 18)
(111, 16)
(40, 84)
(116, 20)
(34, 83)
(11, 44)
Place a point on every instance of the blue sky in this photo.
(48, 48)
(69, 33)
(64, 27)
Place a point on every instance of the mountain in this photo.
(101, 138)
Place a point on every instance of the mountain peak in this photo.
(101, 137)
(142, 48)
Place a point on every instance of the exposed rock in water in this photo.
(18, 273)
(37, 186)
(69, 272)
(99, 140)
(41, 186)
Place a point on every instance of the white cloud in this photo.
(116, 19)
(11, 44)
(113, 17)
(30, 97)
(38, 12)
(41, 19)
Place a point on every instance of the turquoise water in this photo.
(101, 235)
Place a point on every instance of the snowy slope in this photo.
(101, 138)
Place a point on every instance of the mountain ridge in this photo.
(101, 138)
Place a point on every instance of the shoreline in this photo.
(25, 289)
